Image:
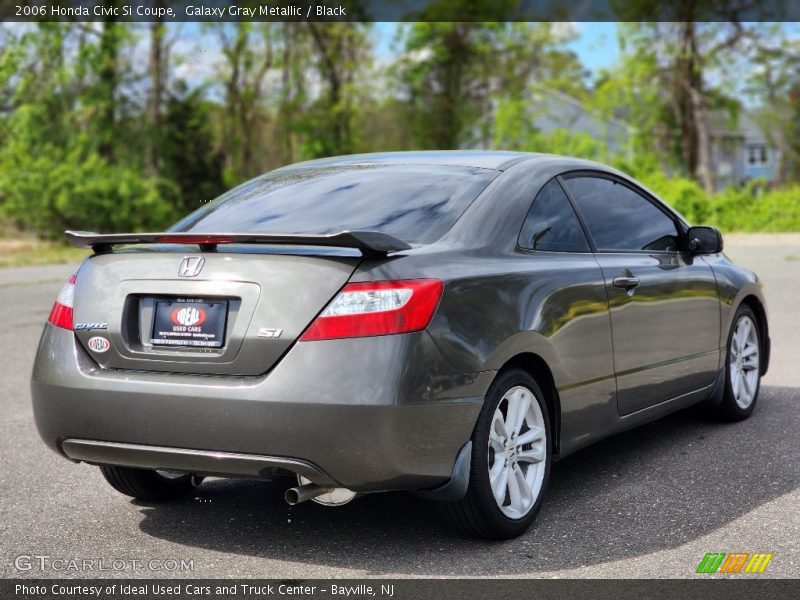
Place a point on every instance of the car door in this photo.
(565, 300)
(664, 305)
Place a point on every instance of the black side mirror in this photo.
(704, 240)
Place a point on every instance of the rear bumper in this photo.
(202, 462)
(368, 414)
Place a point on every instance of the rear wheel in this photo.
(511, 454)
(742, 366)
(144, 484)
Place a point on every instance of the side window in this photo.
(620, 218)
(551, 223)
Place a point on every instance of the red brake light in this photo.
(61, 314)
(377, 308)
(194, 239)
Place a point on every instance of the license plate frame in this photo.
(189, 323)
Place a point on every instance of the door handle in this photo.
(626, 282)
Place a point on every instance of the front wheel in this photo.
(511, 455)
(742, 366)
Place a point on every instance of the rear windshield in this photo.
(416, 204)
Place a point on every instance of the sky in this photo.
(595, 44)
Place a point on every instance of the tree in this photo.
(339, 53)
(292, 97)
(792, 145)
(470, 83)
(248, 52)
(441, 73)
(66, 136)
(692, 50)
(190, 157)
(157, 72)
(774, 87)
(106, 86)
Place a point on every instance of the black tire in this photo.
(144, 484)
(729, 409)
(478, 515)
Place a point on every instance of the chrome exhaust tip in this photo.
(301, 493)
(326, 496)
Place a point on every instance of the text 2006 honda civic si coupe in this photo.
(443, 322)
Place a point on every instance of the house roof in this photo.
(745, 127)
(580, 105)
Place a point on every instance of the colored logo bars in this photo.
(735, 562)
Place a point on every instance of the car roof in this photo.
(497, 160)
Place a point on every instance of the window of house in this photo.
(757, 154)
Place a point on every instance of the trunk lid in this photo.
(268, 300)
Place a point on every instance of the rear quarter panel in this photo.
(500, 302)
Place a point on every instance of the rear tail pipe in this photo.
(301, 493)
(327, 496)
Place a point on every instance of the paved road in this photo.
(647, 503)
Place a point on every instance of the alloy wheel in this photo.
(517, 452)
(744, 362)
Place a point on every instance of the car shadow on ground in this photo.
(652, 488)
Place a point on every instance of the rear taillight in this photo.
(377, 308)
(61, 315)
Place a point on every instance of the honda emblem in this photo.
(191, 266)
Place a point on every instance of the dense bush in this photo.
(684, 195)
(48, 196)
(753, 207)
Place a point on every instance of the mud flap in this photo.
(717, 392)
(456, 488)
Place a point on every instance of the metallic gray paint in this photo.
(393, 412)
(284, 292)
(399, 424)
(200, 462)
(676, 306)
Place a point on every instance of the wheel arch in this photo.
(537, 367)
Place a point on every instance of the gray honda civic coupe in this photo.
(447, 323)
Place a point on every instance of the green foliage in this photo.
(68, 158)
(514, 127)
(91, 139)
(440, 70)
(570, 143)
(754, 208)
(50, 194)
(190, 157)
(470, 83)
(339, 52)
(684, 195)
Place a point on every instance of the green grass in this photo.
(24, 251)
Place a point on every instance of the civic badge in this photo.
(191, 266)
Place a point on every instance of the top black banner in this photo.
(399, 10)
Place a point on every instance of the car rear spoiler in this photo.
(368, 242)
